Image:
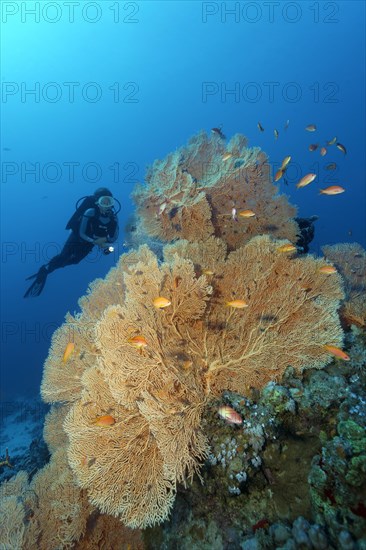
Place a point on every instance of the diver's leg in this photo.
(62, 259)
(37, 286)
(81, 251)
(73, 252)
(40, 277)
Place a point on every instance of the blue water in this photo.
(118, 84)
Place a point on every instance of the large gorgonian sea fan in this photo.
(196, 348)
(199, 190)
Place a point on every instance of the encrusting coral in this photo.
(350, 260)
(200, 190)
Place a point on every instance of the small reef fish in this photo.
(233, 214)
(162, 207)
(229, 415)
(313, 147)
(341, 148)
(287, 248)
(138, 342)
(238, 304)
(227, 156)
(247, 214)
(285, 162)
(328, 269)
(278, 175)
(331, 166)
(310, 128)
(104, 421)
(68, 351)
(332, 141)
(160, 302)
(306, 180)
(260, 127)
(287, 124)
(332, 190)
(6, 461)
(276, 134)
(261, 524)
(323, 151)
(218, 132)
(337, 352)
(176, 281)
(208, 272)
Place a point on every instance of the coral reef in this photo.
(305, 487)
(350, 260)
(195, 349)
(200, 189)
(245, 322)
(21, 427)
(51, 511)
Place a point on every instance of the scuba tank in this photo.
(80, 209)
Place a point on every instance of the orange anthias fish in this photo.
(227, 156)
(278, 175)
(332, 190)
(285, 162)
(328, 269)
(337, 352)
(238, 304)
(160, 302)
(332, 141)
(68, 351)
(104, 421)
(313, 146)
(187, 364)
(287, 248)
(323, 151)
(230, 415)
(306, 180)
(138, 342)
(311, 128)
(247, 214)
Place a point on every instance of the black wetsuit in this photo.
(78, 246)
(306, 234)
(93, 225)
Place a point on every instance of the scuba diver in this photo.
(306, 226)
(93, 223)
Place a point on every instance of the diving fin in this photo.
(37, 286)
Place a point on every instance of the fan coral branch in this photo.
(193, 193)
